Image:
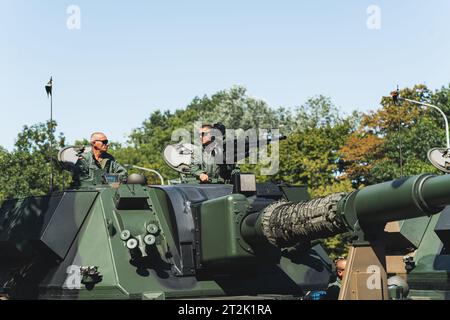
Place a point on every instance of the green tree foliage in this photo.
(310, 154)
(26, 169)
(234, 108)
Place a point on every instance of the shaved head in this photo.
(98, 136)
(340, 267)
(99, 143)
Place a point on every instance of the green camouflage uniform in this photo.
(88, 171)
(217, 173)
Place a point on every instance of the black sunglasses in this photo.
(103, 141)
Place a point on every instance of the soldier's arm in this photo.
(80, 170)
(119, 169)
(196, 167)
(76, 172)
(196, 172)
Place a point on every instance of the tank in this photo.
(127, 240)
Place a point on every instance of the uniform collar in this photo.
(104, 160)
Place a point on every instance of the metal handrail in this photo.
(149, 170)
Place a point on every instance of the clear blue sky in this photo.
(132, 57)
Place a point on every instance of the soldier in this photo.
(206, 170)
(92, 165)
(335, 287)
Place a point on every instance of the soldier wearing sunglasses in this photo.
(93, 164)
(206, 169)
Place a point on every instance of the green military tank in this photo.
(126, 240)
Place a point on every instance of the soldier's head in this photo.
(340, 267)
(205, 134)
(99, 142)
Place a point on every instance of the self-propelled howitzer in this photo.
(133, 241)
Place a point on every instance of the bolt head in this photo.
(132, 244)
(125, 235)
(150, 239)
(152, 228)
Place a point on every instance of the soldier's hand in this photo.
(204, 177)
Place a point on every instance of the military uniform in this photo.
(89, 171)
(217, 173)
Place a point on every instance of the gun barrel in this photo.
(399, 199)
(286, 224)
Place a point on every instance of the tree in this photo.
(233, 107)
(236, 110)
(310, 154)
(394, 140)
(26, 170)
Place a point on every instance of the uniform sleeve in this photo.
(196, 167)
(79, 171)
(76, 172)
(119, 169)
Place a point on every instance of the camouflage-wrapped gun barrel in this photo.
(286, 223)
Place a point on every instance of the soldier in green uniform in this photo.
(94, 164)
(205, 169)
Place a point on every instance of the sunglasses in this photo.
(105, 142)
(204, 134)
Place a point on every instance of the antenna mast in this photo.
(49, 90)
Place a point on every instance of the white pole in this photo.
(151, 170)
(440, 111)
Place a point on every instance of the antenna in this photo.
(396, 99)
(49, 90)
(400, 127)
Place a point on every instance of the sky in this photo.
(130, 58)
